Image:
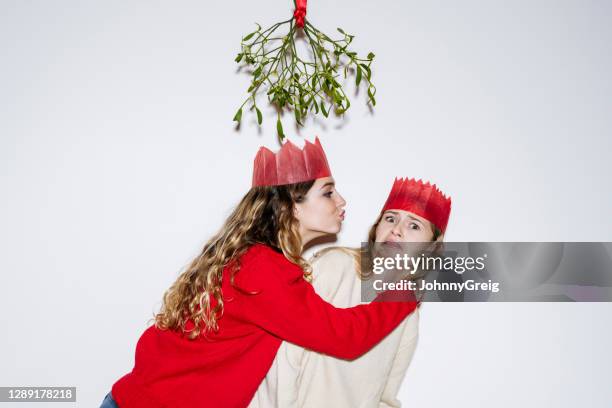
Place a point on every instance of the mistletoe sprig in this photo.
(295, 83)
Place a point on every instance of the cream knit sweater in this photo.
(302, 378)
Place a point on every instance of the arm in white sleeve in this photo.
(401, 362)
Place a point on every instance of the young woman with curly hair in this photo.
(223, 320)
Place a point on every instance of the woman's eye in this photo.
(390, 218)
(328, 194)
(414, 226)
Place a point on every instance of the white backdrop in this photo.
(118, 159)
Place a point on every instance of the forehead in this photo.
(321, 182)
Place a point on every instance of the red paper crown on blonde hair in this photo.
(422, 199)
(290, 164)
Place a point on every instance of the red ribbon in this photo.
(300, 12)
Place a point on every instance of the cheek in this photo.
(320, 212)
(331, 205)
(308, 213)
(381, 232)
(418, 236)
(327, 207)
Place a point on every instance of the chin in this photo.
(332, 231)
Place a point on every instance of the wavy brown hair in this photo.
(264, 215)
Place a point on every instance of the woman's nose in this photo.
(341, 200)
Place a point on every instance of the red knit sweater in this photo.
(224, 369)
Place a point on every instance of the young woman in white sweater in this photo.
(414, 212)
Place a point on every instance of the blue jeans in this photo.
(109, 402)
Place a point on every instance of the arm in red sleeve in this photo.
(288, 307)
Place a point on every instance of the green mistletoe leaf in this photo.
(249, 36)
(238, 116)
(279, 129)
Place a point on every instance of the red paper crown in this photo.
(290, 164)
(424, 200)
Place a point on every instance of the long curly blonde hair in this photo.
(264, 215)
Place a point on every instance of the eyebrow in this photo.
(329, 183)
(414, 219)
(407, 215)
